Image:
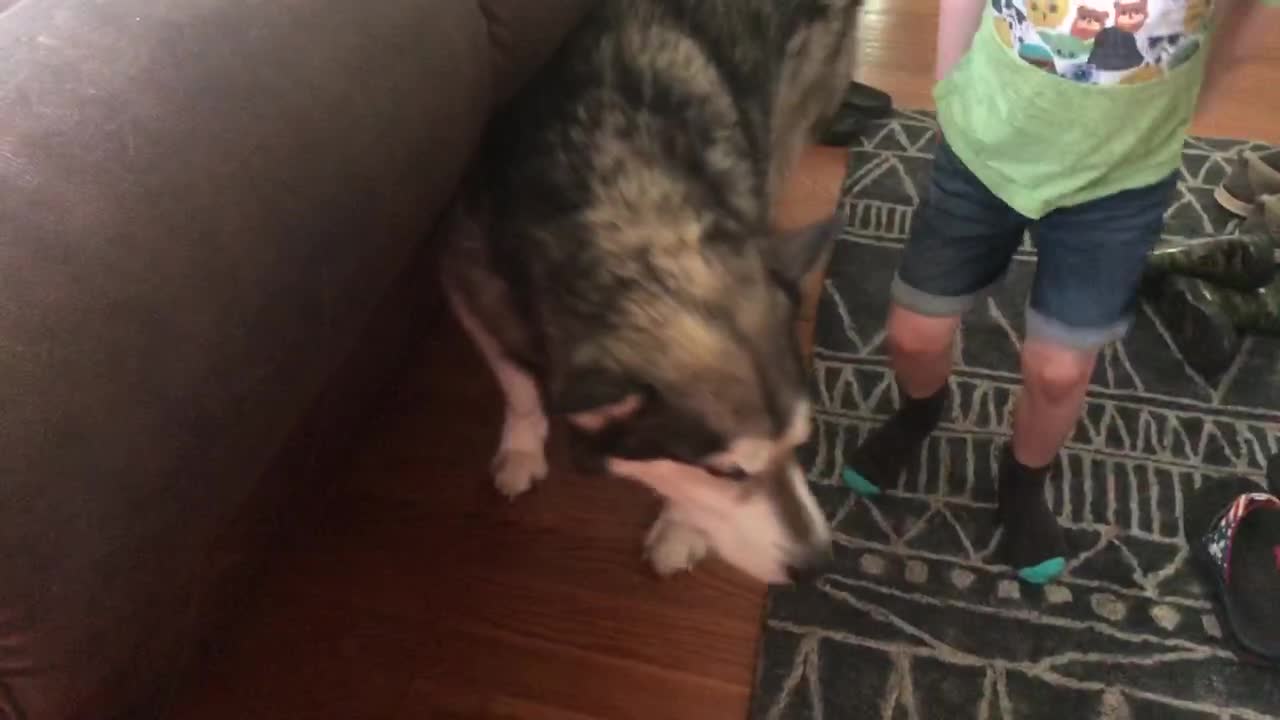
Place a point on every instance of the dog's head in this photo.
(692, 382)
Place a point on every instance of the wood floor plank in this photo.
(517, 672)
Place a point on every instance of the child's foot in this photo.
(881, 457)
(1033, 541)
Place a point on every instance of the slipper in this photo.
(860, 106)
(1240, 554)
(867, 101)
(844, 128)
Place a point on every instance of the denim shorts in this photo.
(1090, 257)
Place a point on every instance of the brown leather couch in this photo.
(215, 221)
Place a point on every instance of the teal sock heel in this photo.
(1045, 572)
(860, 485)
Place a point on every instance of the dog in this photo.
(614, 259)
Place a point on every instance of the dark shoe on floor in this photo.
(844, 128)
(861, 105)
(867, 101)
(1254, 175)
(1238, 551)
(1200, 328)
(1239, 262)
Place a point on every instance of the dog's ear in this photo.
(593, 399)
(794, 254)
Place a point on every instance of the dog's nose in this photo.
(811, 568)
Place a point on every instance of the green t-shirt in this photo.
(1058, 102)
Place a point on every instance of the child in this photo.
(1065, 117)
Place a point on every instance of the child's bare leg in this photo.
(1091, 260)
(1055, 379)
(920, 352)
(962, 240)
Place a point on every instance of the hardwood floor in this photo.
(427, 597)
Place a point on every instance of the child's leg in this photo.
(963, 238)
(1091, 261)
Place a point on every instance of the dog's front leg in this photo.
(675, 542)
(673, 545)
(521, 457)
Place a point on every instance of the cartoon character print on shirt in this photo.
(1103, 42)
(1013, 26)
(1131, 15)
(1070, 56)
(1039, 56)
(1067, 48)
(1089, 22)
(1009, 10)
(1047, 13)
(1170, 51)
(1115, 48)
(1003, 31)
(1145, 73)
(1196, 16)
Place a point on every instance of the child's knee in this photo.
(1058, 374)
(912, 335)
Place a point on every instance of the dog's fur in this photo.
(616, 263)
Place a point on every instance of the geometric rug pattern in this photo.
(918, 620)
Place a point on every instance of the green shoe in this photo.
(1254, 175)
(1200, 328)
(1239, 262)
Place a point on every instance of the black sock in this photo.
(881, 457)
(1033, 541)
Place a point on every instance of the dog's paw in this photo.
(516, 471)
(674, 547)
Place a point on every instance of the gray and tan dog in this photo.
(616, 264)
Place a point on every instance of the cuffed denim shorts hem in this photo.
(1089, 264)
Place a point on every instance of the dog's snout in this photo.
(813, 566)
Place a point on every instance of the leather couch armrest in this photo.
(201, 201)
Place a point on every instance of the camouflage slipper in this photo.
(1204, 334)
(1241, 262)
(1252, 311)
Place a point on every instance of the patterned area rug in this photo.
(918, 621)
